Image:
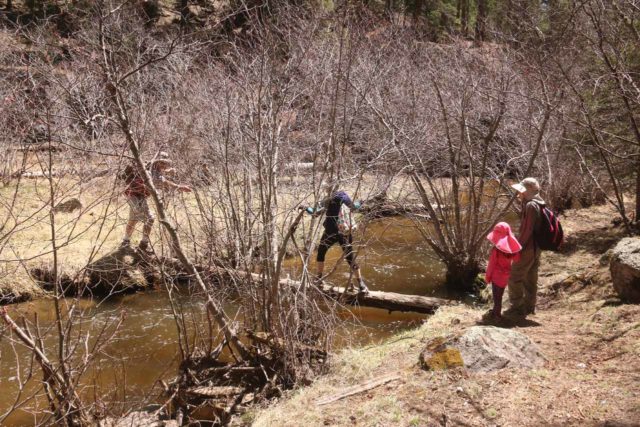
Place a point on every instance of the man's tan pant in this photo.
(523, 283)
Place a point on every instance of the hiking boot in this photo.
(362, 287)
(490, 318)
(515, 312)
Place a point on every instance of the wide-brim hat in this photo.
(519, 187)
(164, 162)
(503, 239)
(527, 185)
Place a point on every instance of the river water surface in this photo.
(394, 258)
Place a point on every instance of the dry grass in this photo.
(591, 377)
(87, 234)
(82, 236)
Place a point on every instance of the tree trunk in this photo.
(461, 274)
(637, 218)
(183, 8)
(481, 21)
(417, 10)
(464, 17)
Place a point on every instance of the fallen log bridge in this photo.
(390, 301)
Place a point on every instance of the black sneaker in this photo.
(126, 243)
(362, 288)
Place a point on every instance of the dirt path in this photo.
(591, 378)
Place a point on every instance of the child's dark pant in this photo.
(497, 299)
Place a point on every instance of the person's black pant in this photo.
(330, 238)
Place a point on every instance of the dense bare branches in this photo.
(265, 117)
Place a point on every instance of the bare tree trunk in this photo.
(481, 20)
(464, 16)
(183, 8)
(115, 96)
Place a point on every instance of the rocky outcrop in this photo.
(625, 269)
(482, 349)
(121, 271)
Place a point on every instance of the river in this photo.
(395, 258)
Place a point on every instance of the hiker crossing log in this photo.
(390, 301)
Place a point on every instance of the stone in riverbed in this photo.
(121, 271)
(625, 269)
(482, 349)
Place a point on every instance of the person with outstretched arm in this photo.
(137, 194)
(336, 231)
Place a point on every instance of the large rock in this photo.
(482, 349)
(68, 206)
(121, 271)
(625, 269)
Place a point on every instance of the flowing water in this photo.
(394, 258)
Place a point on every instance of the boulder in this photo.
(440, 355)
(68, 206)
(482, 349)
(121, 271)
(625, 269)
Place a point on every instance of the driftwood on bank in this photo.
(40, 147)
(85, 175)
(360, 388)
(380, 206)
(214, 391)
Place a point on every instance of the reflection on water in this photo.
(393, 258)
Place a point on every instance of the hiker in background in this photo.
(338, 227)
(505, 252)
(523, 283)
(137, 194)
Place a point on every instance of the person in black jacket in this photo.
(335, 231)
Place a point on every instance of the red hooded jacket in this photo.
(499, 268)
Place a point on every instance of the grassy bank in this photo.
(592, 344)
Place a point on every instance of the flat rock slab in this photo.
(625, 269)
(482, 349)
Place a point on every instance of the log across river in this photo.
(390, 301)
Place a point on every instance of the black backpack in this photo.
(549, 235)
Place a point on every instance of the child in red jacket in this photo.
(505, 251)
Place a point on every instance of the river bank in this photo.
(591, 342)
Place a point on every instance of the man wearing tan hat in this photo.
(523, 283)
(137, 193)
